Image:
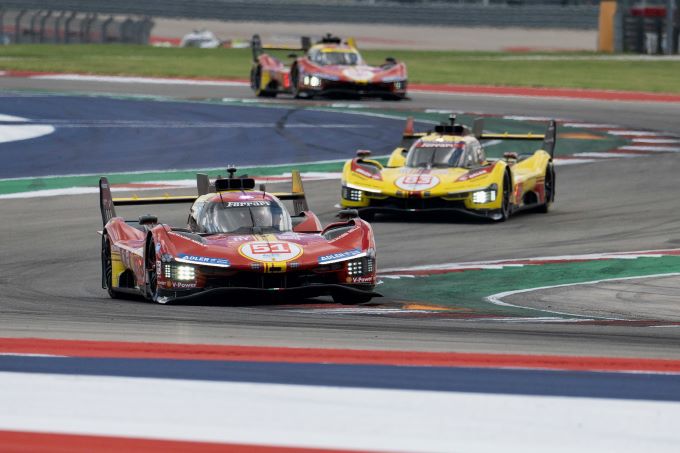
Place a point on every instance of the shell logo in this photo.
(416, 182)
(270, 252)
(358, 74)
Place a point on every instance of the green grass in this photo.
(571, 70)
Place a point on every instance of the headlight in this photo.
(484, 196)
(312, 81)
(361, 266)
(399, 85)
(355, 267)
(352, 194)
(184, 273)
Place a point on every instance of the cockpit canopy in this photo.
(245, 217)
(330, 57)
(445, 154)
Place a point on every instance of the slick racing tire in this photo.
(548, 189)
(505, 197)
(151, 272)
(351, 299)
(256, 84)
(107, 268)
(295, 85)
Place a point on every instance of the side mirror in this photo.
(292, 55)
(148, 219)
(391, 60)
(363, 153)
(347, 214)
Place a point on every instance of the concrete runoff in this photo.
(50, 268)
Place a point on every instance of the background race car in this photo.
(239, 242)
(446, 169)
(328, 68)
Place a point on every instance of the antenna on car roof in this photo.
(231, 171)
(452, 119)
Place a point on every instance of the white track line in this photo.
(497, 299)
(333, 417)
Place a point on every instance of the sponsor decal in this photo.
(183, 285)
(246, 204)
(338, 256)
(204, 260)
(237, 238)
(270, 251)
(363, 279)
(416, 182)
(246, 197)
(476, 173)
(358, 74)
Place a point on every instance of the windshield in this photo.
(336, 58)
(440, 156)
(242, 216)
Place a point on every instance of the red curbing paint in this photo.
(36, 442)
(109, 349)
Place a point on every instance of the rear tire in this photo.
(548, 189)
(256, 84)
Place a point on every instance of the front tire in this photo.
(151, 272)
(505, 196)
(107, 268)
(548, 189)
(295, 85)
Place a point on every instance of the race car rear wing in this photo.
(204, 186)
(258, 48)
(549, 138)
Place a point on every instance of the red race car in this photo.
(239, 243)
(328, 68)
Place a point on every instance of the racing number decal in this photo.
(416, 182)
(267, 252)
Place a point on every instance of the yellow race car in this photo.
(446, 169)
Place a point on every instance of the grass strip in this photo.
(564, 70)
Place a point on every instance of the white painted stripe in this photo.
(660, 149)
(331, 417)
(560, 161)
(637, 133)
(186, 124)
(590, 125)
(607, 155)
(528, 118)
(13, 119)
(16, 133)
(497, 299)
(656, 140)
(135, 80)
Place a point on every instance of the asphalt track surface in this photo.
(50, 262)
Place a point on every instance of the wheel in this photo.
(256, 84)
(295, 84)
(107, 268)
(505, 196)
(151, 272)
(351, 299)
(549, 189)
